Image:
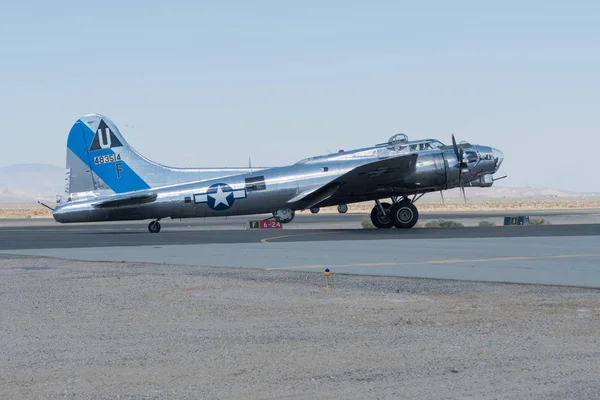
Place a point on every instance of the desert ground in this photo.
(157, 331)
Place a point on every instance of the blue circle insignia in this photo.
(220, 196)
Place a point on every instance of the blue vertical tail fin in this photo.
(99, 158)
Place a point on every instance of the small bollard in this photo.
(327, 273)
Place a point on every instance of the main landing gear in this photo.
(401, 214)
(284, 215)
(154, 226)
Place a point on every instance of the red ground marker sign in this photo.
(266, 224)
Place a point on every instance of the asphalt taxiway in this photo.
(555, 254)
(111, 235)
(306, 220)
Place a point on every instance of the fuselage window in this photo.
(187, 199)
(255, 183)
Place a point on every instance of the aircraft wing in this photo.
(363, 180)
(127, 200)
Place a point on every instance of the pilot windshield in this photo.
(471, 156)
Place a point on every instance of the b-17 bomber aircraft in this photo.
(107, 180)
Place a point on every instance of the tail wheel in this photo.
(314, 210)
(404, 215)
(342, 208)
(379, 219)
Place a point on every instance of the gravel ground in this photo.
(140, 331)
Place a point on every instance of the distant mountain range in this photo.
(28, 183)
(508, 193)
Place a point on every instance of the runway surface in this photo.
(305, 219)
(554, 254)
(110, 235)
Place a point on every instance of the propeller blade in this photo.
(463, 193)
(455, 147)
(461, 164)
(459, 153)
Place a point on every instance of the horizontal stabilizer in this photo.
(126, 200)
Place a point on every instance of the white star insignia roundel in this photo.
(220, 196)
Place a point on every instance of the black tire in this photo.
(381, 222)
(342, 208)
(286, 220)
(314, 210)
(404, 215)
(154, 227)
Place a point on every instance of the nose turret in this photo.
(498, 157)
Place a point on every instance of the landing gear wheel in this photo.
(314, 210)
(154, 227)
(342, 208)
(284, 215)
(404, 215)
(381, 221)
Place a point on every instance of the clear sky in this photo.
(212, 83)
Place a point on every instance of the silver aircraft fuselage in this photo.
(225, 192)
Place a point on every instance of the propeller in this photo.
(458, 151)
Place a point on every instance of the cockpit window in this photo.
(485, 156)
(471, 156)
(420, 146)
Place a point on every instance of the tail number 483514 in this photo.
(109, 158)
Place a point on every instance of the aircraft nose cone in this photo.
(498, 156)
